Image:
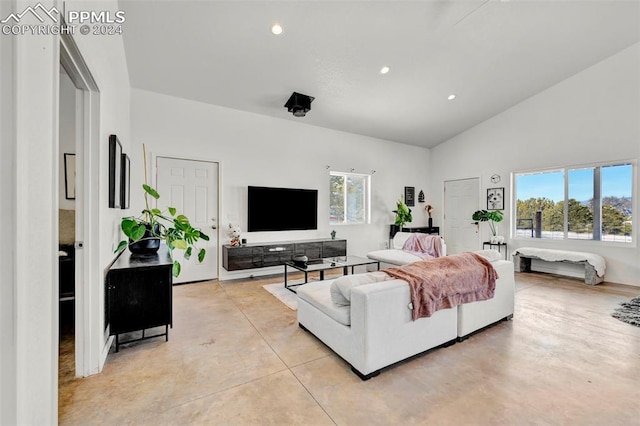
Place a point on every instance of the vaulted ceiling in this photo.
(491, 54)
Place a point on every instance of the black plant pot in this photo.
(394, 229)
(148, 244)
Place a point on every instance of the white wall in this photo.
(592, 116)
(8, 194)
(260, 150)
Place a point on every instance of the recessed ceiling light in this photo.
(384, 70)
(451, 96)
(276, 29)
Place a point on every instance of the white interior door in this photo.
(461, 199)
(191, 187)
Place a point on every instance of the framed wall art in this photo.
(125, 184)
(115, 171)
(495, 199)
(410, 196)
(70, 176)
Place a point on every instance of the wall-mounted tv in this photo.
(281, 209)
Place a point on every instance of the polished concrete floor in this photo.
(237, 356)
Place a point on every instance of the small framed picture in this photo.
(70, 176)
(410, 196)
(495, 199)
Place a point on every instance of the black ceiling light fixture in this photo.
(298, 104)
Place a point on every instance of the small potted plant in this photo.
(403, 214)
(493, 217)
(147, 230)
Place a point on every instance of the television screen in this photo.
(281, 209)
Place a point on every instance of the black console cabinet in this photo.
(249, 256)
(139, 294)
(422, 229)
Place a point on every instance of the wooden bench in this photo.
(525, 254)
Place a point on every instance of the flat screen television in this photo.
(281, 209)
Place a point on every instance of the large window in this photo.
(586, 203)
(349, 198)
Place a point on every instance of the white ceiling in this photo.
(493, 54)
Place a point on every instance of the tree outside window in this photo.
(349, 198)
(588, 203)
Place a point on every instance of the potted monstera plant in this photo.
(493, 217)
(403, 216)
(146, 231)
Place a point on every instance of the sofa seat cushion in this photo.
(393, 256)
(318, 294)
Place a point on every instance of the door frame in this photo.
(444, 203)
(90, 348)
(154, 177)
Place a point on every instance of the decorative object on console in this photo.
(298, 104)
(409, 196)
(403, 213)
(333, 234)
(421, 196)
(493, 217)
(495, 199)
(234, 233)
(429, 209)
(154, 225)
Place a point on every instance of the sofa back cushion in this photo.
(399, 239)
(490, 255)
(341, 287)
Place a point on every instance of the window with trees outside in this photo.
(349, 195)
(586, 203)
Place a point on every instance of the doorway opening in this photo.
(66, 227)
(80, 287)
(461, 199)
(192, 187)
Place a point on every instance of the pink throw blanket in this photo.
(446, 282)
(424, 246)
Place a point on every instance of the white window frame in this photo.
(565, 170)
(367, 201)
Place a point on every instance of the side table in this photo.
(499, 245)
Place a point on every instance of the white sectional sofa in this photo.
(376, 330)
(394, 256)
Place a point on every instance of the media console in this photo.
(262, 255)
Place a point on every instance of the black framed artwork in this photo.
(125, 193)
(410, 196)
(70, 176)
(495, 199)
(115, 172)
